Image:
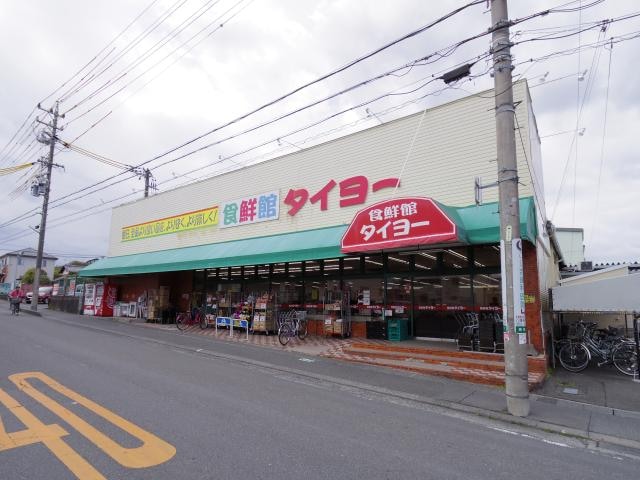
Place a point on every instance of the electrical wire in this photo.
(218, 24)
(590, 81)
(151, 51)
(122, 32)
(602, 145)
(84, 82)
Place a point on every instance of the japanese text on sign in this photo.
(398, 223)
(252, 209)
(353, 191)
(178, 223)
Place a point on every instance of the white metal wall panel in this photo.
(605, 295)
(456, 143)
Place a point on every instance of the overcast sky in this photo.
(164, 87)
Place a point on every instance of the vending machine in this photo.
(99, 299)
(89, 299)
(105, 299)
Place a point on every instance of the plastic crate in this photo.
(397, 329)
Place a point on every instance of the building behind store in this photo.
(271, 237)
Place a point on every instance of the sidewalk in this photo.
(606, 409)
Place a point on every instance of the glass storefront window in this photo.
(373, 264)
(425, 261)
(198, 280)
(249, 272)
(441, 304)
(312, 268)
(279, 269)
(236, 273)
(399, 297)
(263, 272)
(487, 291)
(366, 297)
(288, 294)
(486, 256)
(455, 258)
(314, 296)
(351, 265)
(332, 267)
(398, 263)
(295, 269)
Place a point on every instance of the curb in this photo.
(579, 434)
(616, 412)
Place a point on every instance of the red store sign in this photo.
(352, 191)
(401, 222)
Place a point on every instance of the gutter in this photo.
(551, 231)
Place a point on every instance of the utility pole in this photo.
(45, 203)
(147, 176)
(516, 367)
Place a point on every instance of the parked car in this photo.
(44, 293)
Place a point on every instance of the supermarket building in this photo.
(362, 226)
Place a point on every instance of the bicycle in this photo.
(193, 317)
(575, 354)
(14, 304)
(292, 325)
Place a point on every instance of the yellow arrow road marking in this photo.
(153, 450)
(49, 435)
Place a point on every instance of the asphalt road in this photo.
(210, 417)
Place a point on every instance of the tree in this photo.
(29, 275)
(57, 271)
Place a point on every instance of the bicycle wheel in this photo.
(181, 321)
(202, 320)
(625, 358)
(302, 329)
(284, 334)
(574, 357)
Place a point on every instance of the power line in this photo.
(604, 136)
(83, 82)
(539, 13)
(149, 52)
(217, 22)
(159, 73)
(99, 53)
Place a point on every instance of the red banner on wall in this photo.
(401, 222)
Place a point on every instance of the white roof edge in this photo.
(593, 274)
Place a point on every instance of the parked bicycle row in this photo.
(291, 324)
(585, 343)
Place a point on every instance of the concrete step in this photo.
(536, 364)
(488, 365)
(442, 369)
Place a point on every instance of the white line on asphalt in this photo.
(520, 434)
(557, 444)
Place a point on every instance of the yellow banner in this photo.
(179, 223)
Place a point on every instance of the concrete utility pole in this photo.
(147, 177)
(45, 206)
(516, 367)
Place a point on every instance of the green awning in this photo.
(476, 225)
(292, 247)
(482, 223)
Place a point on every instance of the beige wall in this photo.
(455, 143)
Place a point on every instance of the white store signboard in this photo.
(251, 209)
